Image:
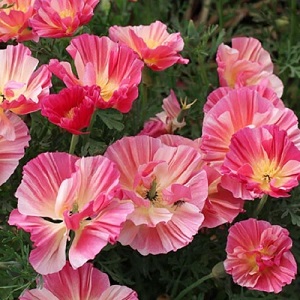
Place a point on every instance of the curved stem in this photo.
(73, 144)
(260, 205)
(192, 286)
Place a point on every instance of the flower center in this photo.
(152, 193)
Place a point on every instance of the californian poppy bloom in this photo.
(22, 87)
(72, 108)
(246, 63)
(260, 161)
(56, 19)
(85, 282)
(167, 188)
(155, 46)
(63, 196)
(259, 256)
(115, 68)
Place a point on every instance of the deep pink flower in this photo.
(14, 137)
(72, 108)
(14, 21)
(259, 256)
(60, 18)
(85, 282)
(116, 69)
(263, 160)
(167, 188)
(246, 63)
(60, 194)
(166, 121)
(21, 87)
(238, 109)
(155, 46)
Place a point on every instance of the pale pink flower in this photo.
(166, 121)
(14, 21)
(72, 108)
(264, 160)
(21, 87)
(115, 68)
(259, 256)
(167, 188)
(155, 46)
(85, 282)
(240, 108)
(220, 92)
(60, 18)
(62, 195)
(14, 137)
(246, 63)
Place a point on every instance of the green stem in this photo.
(192, 286)
(260, 205)
(73, 144)
(220, 12)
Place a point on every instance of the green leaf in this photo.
(111, 118)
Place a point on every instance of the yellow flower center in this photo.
(264, 172)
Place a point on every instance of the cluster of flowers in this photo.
(153, 191)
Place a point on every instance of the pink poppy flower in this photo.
(240, 108)
(61, 196)
(72, 108)
(221, 92)
(264, 160)
(60, 18)
(155, 46)
(116, 69)
(21, 87)
(246, 63)
(259, 256)
(166, 121)
(14, 21)
(14, 137)
(167, 188)
(85, 282)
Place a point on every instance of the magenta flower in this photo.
(14, 21)
(166, 121)
(72, 108)
(61, 195)
(116, 69)
(14, 137)
(56, 19)
(155, 46)
(85, 282)
(259, 256)
(263, 160)
(168, 190)
(21, 87)
(246, 63)
(238, 109)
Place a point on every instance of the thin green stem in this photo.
(260, 205)
(73, 144)
(192, 286)
(220, 12)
